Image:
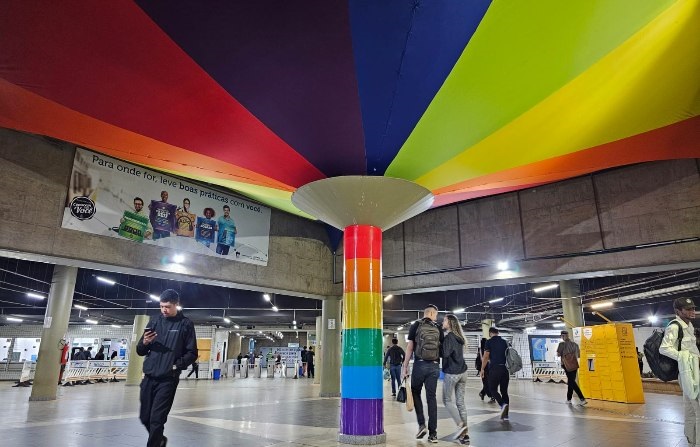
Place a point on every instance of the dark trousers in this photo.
(485, 385)
(572, 385)
(425, 373)
(222, 249)
(499, 378)
(157, 397)
(395, 371)
(159, 234)
(195, 371)
(310, 369)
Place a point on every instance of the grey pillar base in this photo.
(329, 395)
(41, 398)
(362, 440)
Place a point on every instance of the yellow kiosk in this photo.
(608, 367)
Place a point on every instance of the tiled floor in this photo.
(286, 412)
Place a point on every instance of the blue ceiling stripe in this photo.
(404, 50)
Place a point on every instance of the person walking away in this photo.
(499, 377)
(170, 346)
(303, 361)
(100, 354)
(195, 370)
(686, 354)
(395, 355)
(424, 342)
(570, 353)
(455, 383)
(485, 391)
(310, 369)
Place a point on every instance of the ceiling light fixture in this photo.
(238, 334)
(154, 297)
(78, 306)
(266, 296)
(106, 280)
(388, 297)
(89, 321)
(227, 320)
(35, 295)
(543, 288)
(495, 300)
(503, 266)
(14, 320)
(115, 326)
(558, 324)
(461, 309)
(179, 307)
(531, 328)
(602, 305)
(236, 326)
(275, 308)
(179, 258)
(399, 328)
(653, 318)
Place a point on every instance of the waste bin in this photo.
(216, 370)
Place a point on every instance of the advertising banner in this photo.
(110, 197)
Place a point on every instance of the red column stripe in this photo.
(362, 241)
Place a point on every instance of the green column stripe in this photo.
(362, 347)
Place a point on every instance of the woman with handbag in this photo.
(455, 383)
(569, 353)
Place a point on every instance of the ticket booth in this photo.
(608, 367)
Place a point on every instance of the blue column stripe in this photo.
(361, 382)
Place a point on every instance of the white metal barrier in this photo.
(85, 371)
(548, 374)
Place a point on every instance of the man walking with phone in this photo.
(170, 346)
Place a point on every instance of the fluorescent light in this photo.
(236, 326)
(266, 296)
(295, 326)
(35, 295)
(179, 307)
(227, 320)
(653, 318)
(91, 321)
(294, 322)
(78, 306)
(559, 324)
(238, 334)
(275, 308)
(543, 288)
(456, 311)
(602, 305)
(399, 328)
(179, 258)
(495, 300)
(14, 320)
(154, 297)
(388, 297)
(503, 265)
(259, 332)
(531, 328)
(106, 280)
(115, 326)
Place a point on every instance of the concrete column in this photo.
(318, 364)
(234, 345)
(135, 372)
(58, 306)
(485, 326)
(330, 359)
(571, 303)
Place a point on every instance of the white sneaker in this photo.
(583, 402)
(568, 402)
(504, 411)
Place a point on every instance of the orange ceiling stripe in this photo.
(29, 112)
(678, 140)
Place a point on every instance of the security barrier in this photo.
(549, 374)
(90, 371)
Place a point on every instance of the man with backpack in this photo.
(499, 376)
(679, 344)
(395, 355)
(425, 339)
(570, 353)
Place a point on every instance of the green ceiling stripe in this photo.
(524, 51)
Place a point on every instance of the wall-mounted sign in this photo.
(331, 323)
(110, 197)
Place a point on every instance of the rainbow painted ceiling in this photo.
(467, 98)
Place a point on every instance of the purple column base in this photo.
(362, 417)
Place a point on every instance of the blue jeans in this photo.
(425, 373)
(395, 371)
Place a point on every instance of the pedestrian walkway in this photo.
(266, 413)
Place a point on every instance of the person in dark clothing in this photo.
(570, 349)
(303, 361)
(195, 371)
(495, 353)
(395, 355)
(485, 391)
(310, 362)
(88, 353)
(239, 358)
(426, 368)
(113, 356)
(278, 360)
(100, 354)
(170, 346)
(455, 383)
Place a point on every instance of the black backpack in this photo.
(664, 368)
(395, 355)
(427, 341)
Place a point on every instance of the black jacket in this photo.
(176, 344)
(452, 355)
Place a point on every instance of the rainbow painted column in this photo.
(361, 382)
(363, 207)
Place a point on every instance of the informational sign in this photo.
(331, 323)
(289, 355)
(110, 197)
(543, 348)
(47, 321)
